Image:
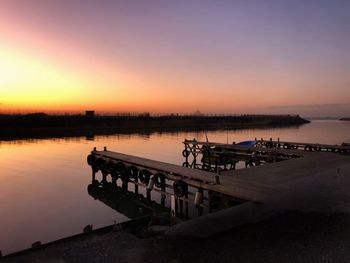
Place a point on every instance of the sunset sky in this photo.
(221, 56)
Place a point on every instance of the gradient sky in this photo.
(176, 56)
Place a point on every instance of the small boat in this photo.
(247, 143)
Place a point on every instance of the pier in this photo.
(209, 178)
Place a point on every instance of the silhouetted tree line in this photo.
(38, 120)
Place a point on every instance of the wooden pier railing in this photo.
(212, 156)
(344, 148)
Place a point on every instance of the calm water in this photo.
(43, 190)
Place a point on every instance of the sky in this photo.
(223, 56)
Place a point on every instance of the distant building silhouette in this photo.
(90, 113)
(198, 113)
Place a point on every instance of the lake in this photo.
(43, 190)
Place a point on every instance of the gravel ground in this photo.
(289, 237)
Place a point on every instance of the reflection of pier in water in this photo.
(128, 203)
(134, 200)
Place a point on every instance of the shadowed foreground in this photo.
(288, 237)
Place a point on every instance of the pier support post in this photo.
(163, 196)
(186, 205)
(136, 187)
(181, 206)
(173, 205)
(125, 186)
(217, 179)
(200, 208)
(93, 175)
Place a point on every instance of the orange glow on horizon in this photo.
(35, 84)
(62, 78)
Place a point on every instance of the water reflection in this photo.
(131, 204)
(43, 181)
(134, 199)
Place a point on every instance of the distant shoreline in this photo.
(345, 119)
(46, 126)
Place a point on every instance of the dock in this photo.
(197, 178)
(209, 175)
